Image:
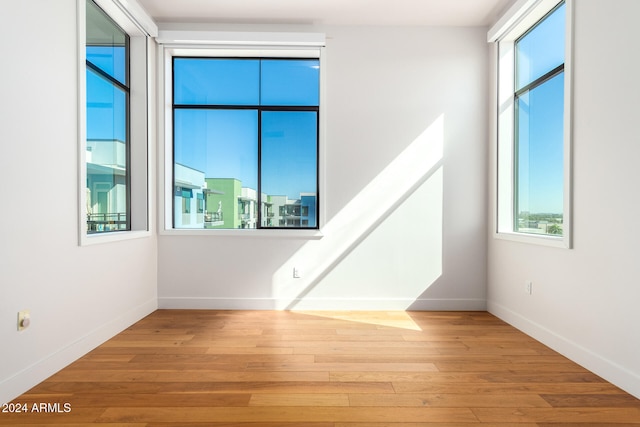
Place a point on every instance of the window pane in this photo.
(209, 81)
(541, 49)
(106, 156)
(539, 145)
(216, 154)
(106, 109)
(106, 44)
(289, 168)
(290, 82)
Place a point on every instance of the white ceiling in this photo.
(328, 12)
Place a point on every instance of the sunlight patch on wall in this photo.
(408, 172)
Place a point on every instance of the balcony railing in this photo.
(213, 217)
(98, 222)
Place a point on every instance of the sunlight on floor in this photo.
(390, 319)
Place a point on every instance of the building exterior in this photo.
(309, 210)
(222, 203)
(107, 181)
(285, 212)
(189, 199)
(229, 205)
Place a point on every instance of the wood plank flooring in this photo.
(324, 369)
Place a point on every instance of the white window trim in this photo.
(140, 27)
(231, 44)
(517, 20)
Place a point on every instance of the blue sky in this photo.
(223, 143)
(106, 104)
(540, 159)
(289, 153)
(540, 118)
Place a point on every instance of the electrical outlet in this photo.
(528, 287)
(24, 319)
(296, 273)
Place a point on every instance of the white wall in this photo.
(406, 112)
(78, 296)
(585, 300)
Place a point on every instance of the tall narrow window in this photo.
(533, 164)
(246, 141)
(539, 126)
(107, 127)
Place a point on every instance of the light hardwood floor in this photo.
(325, 369)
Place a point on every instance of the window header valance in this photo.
(523, 14)
(130, 15)
(237, 38)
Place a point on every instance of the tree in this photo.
(554, 229)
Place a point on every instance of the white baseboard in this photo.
(460, 304)
(589, 359)
(27, 378)
(321, 304)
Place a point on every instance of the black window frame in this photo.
(260, 109)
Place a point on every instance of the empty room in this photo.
(327, 213)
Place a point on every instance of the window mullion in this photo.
(540, 80)
(107, 77)
(259, 195)
(259, 183)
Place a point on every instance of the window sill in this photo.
(250, 233)
(542, 240)
(112, 236)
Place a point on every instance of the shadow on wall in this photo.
(395, 223)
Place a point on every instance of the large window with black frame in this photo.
(245, 143)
